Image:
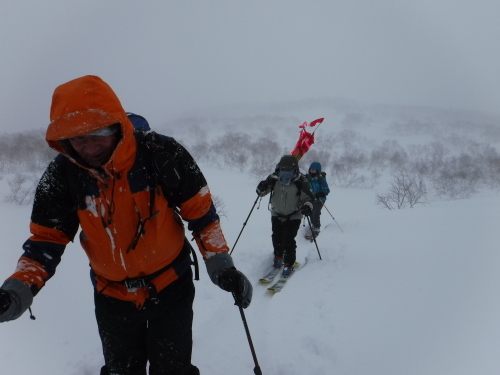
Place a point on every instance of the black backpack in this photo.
(139, 122)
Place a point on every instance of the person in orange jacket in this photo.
(128, 191)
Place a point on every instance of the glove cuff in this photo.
(21, 299)
(217, 264)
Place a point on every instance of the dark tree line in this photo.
(450, 168)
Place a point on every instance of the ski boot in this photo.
(287, 271)
(278, 262)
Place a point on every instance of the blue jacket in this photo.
(318, 183)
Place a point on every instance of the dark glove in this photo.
(320, 194)
(5, 301)
(15, 298)
(235, 282)
(262, 187)
(306, 210)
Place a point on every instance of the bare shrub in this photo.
(233, 149)
(398, 159)
(427, 159)
(327, 141)
(406, 190)
(203, 152)
(389, 154)
(438, 152)
(347, 137)
(458, 178)
(347, 176)
(219, 205)
(322, 156)
(199, 150)
(488, 160)
(265, 154)
(349, 151)
(354, 158)
(25, 152)
(350, 166)
(22, 189)
(379, 158)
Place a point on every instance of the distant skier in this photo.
(320, 189)
(291, 198)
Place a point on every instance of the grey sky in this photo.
(166, 57)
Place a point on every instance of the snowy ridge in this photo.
(410, 291)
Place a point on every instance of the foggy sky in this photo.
(166, 58)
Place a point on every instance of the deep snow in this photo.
(411, 291)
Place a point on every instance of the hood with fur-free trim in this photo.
(288, 161)
(315, 165)
(84, 105)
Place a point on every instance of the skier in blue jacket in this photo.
(320, 190)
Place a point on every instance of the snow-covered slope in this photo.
(411, 292)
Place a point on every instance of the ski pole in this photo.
(314, 238)
(324, 205)
(256, 370)
(245, 223)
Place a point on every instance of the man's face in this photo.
(95, 150)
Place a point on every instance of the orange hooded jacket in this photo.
(114, 202)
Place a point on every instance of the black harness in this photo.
(180, 264)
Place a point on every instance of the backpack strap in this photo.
(165, 174)
(77, 178)
(298, 183)
(162, 163)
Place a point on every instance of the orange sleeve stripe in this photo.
(41, 233)
(30, 272)
(198, 205)
(212, 239)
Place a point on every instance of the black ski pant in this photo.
(284, 233)
(160, 333)
(316, 214)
